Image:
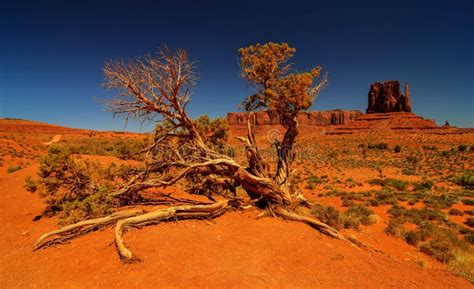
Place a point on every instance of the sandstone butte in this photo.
(387, 108)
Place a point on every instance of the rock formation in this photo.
(316, 118)
(386, 97)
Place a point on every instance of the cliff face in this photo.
(386, 97)
(317, 118)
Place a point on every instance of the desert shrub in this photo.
(74, 190)
(469, 222)
(442, 201)
(346, 202)
(380, 146)
(397, 149)
(327, 214)
(462, 147)
(378, 182)
(441, 250)
(465, 179)
(455, 212)
(430, 148)
(409, 171)
(356, 215)
(95, 205)
(312, 181)
(414, 237)
(399, 185)
(395, 228)
(30, 184)
(469, 238)
(468, 202)
(423, 185)
(412, 159)
(13, 169)
(464, 231)
(215, 132)
(386, 197)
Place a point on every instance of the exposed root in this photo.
(172, 213)
(68, 232)
(320, 226)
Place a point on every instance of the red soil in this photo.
(235, 251)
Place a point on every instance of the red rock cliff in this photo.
(386, 97)
(317, 118)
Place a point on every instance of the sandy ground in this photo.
(237, 251)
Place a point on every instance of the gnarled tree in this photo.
(158, 88)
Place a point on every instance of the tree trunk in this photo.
(286, 155)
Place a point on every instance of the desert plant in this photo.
(13, 169)
(469, 222)
(397, 149)
(439, 249)
(465, 179)
(30, 184)
(327, 214)
(158, 88)
(455, 212)
(462, 147)
(469, 202)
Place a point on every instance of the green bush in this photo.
(455, 212)
(397, 149)
(380, 146)
(424, 185)
(327, 214)
(469, 238)
(468, 202)
(30, 184)
(356, 215)
(465, 179)
(70, 189)
(469, 222)
(462, 147)
(441, 250)
(13, 169)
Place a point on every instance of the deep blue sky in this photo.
(51, 52)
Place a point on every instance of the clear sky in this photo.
(51, 52)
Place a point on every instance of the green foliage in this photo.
(455, 212)
(380, 146)
(465, 179)
(327, 214)
(469, 222)
(214, 132)
(397, 149)
(462, 147)
(70, 189)
(30, 184)
(13, 169)
(351, 219)
(430, 148)
(312, 181)
(423, 185)
(399, 185)
(468, 202)
(439, 249)
(469, 238)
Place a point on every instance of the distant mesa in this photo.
(386, 97)
(387, 108)
(306, 118)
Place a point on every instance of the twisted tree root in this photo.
(68, 232)
(320, 226)
(172, 213)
